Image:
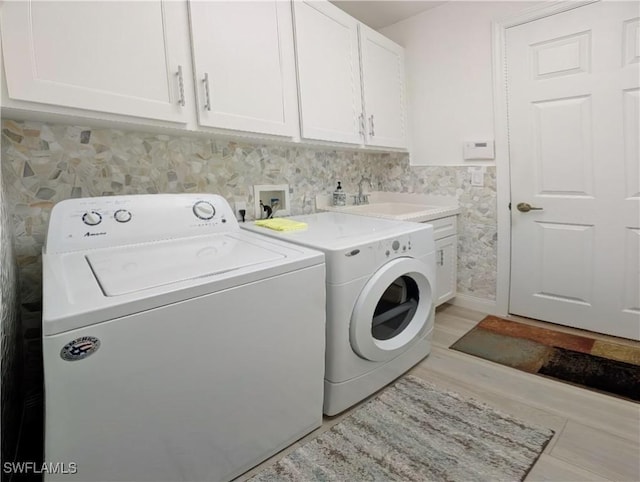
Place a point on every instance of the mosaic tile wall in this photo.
(45, 163)
(477, 222)
(9, 315)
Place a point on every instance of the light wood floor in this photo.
(597, 437)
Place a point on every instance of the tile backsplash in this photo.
(477, 222)
(45, 163)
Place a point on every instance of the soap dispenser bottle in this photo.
(339, 196)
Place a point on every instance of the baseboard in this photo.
(473, 303)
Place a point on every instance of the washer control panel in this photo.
(122, 216)
(92, 218)
(87, 223)
(204, 210)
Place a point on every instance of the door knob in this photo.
(526, 207)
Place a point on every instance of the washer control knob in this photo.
(204, 210)
(92, 218)
(395, 245)
(122, 216)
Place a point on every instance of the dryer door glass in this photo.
(394, 310)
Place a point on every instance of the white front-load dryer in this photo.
(380, 285)
(169, 354)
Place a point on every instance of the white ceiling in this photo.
(382, 13)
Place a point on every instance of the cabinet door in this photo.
(118, 57)
(328, 72)
(446, 268)
(384, 91)
(244, 63)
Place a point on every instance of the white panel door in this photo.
(573, 84)
(328, 72)
(244, 65)
(118, 57)
(384, 91)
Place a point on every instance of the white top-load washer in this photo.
(176, 346)
(380, 309)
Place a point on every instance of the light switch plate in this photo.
(477, 176)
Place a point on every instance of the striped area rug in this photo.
(413, 431)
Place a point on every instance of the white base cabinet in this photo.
(445, 233)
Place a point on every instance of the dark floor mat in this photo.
(595, 372)
(605, 366)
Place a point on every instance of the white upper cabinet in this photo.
(207, 65)
(383, 89)
(244, 65)
(341, 63)
(117, 57)
(328, 72)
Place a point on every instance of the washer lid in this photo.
(128, 269)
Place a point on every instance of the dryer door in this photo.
(392, 311)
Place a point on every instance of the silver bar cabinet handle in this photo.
(207, 98)
(371, 126)
(180, 86)
(361, 123)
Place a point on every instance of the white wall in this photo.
(449, 77)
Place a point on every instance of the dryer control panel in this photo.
(363, 259)
(98, 222)
(401, 245)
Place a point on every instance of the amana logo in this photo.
(80, 348)
(95, 234)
